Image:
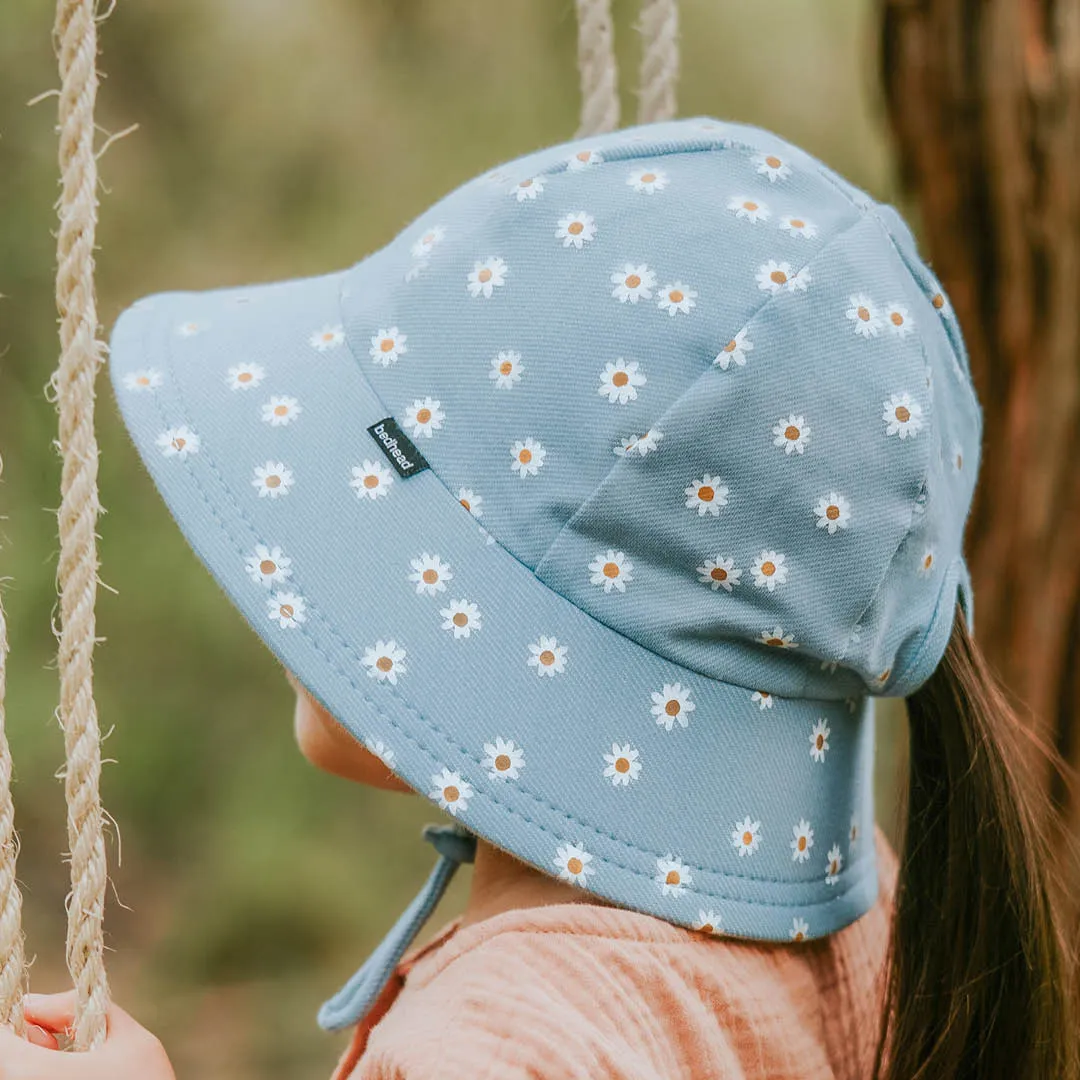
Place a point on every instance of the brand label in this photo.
(398, 447)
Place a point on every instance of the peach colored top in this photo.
(576, 991)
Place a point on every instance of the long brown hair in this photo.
(980, 968)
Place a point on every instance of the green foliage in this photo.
(276, 140)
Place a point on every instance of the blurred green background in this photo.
(279, 139)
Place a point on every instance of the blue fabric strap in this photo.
(352, 1002)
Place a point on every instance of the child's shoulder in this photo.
(585, 990)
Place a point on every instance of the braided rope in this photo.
(12, 957)
(599, 75)
(75, 35)
(659, 28)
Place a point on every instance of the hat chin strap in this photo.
(353, 1001)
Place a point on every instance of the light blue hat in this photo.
(599, 503)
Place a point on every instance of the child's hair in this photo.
(980, 976)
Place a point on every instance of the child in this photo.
(597, 507)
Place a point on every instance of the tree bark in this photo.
(983, 97)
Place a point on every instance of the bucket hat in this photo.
(600, 503)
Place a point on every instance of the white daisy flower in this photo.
(272, 480)
(612, 570)
(677, 298)
(833, 512)
(178, 442)
(940, 303)
(504, 760)
(792, 434)
(719, 573)
(777, 639)
(461, 617)
(752, 210)
(745, 837)
(527, 457)
(385, 661)
(622, 765)
(902, 416)
(450, 791)
(281, 411)
(898, 319)
(647, 181)
(328, 337)
(268, 565)
(572, 862)
(638, 444)
(775, 276)
(427, 241)
(798, 226)
(864, 314)
(620, 380)
(769, 570)
(430, 574)
(583, 159)
(576, 230)
(819, 739)
(547, 656)
(416, 269)
(672, 875)
(800, 928)
(836, 862)
(190, 329)
(803, 841)
(528, 189)
(672, 704)
(146, 379)
(506, 369)
(707, 495)
(471, 501)
(486, 276)
(762, 699)
(387, 346)
(424, 415)
(734, 352)
(633, 283)
(371, 479)
(772, 166)
(709, 922)
(380, 750)
(244, 376)
(287, 609)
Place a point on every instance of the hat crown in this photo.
(701, 386)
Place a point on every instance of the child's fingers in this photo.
(40, 1037)
(21, 1059)
(54, 1012)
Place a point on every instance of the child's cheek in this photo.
(331, 748)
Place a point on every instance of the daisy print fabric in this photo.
(681, 455)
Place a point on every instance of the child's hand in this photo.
(129, 1052)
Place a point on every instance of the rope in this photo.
(75, 35)
(659, 28)
(12, 958)
(599, 75)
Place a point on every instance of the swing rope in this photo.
(75, 36)
(75, 39)
(12, 958)
(659, 29)
(599, 74)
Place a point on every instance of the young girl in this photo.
(597, 507)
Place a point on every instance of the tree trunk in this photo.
(983, 97)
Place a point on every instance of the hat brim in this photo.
(350, 563)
